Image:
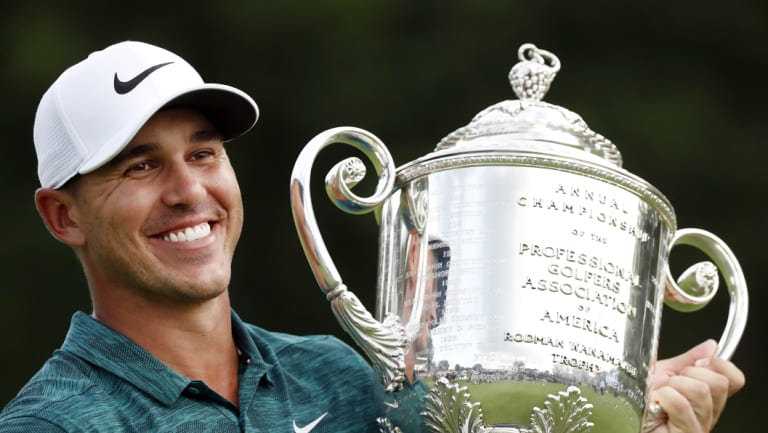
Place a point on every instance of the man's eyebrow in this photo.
(140, 150)
(134, 152)
(207, 135)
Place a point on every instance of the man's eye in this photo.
(139, 167)
(202, 154)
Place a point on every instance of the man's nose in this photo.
(183, 186)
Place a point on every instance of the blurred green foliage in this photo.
(676, 85)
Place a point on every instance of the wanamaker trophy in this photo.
(522, 271)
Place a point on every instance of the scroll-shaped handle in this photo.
(383, 343)
(697, 285)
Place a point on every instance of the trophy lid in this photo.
(530, 132)
(515, 124)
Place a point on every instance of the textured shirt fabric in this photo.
(100, 381)
(403, 408)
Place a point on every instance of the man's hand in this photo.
(693, 388)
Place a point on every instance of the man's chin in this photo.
(194, 291)
(192, 298)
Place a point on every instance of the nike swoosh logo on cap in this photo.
(123, 87)
(309, 427)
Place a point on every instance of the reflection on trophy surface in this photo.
(424, 289)
(522, 272)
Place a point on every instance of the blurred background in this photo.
(677, 86)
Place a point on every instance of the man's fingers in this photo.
(728, 369)
(694, 387)
(717, 386)
(666, 368)
(683, 416)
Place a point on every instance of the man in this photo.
(135, 178)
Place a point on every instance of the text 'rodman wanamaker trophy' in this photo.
(522, 272)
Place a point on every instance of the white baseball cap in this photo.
(94, 109)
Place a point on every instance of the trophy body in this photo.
(522, 272)
(524, 280)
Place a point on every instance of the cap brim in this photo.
(231, 110)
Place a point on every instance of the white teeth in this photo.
(189, 234)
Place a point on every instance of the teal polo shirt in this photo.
(100, 381)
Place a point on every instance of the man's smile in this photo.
(198, 231)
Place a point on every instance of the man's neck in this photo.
(193, 340)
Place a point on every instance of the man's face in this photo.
(162, 219)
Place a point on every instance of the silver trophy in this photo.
(522, 272)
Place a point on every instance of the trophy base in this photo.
(450, 409)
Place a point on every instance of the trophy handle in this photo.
(698, 285)
(383, 342)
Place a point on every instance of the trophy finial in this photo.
(531, 77)
(514, 124)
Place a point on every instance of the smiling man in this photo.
(135, 178)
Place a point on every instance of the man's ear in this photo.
(57, 208)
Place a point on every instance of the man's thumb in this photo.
(675, 365)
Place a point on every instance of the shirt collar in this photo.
(106, 348)
(254, 351)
